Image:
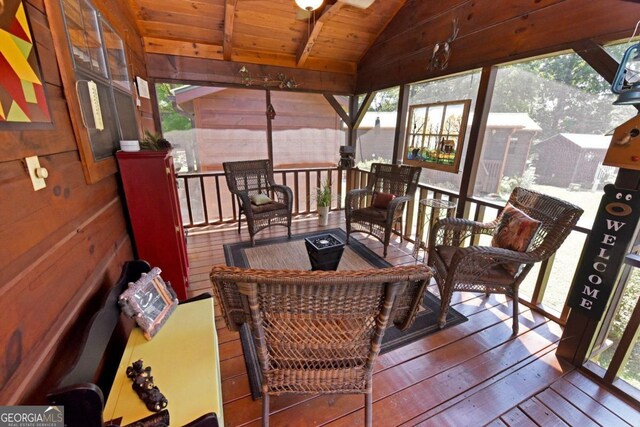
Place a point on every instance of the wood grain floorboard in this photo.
(473, 373)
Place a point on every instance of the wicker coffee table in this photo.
(325, 251)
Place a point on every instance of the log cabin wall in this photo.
(64, 245)
(489, 33)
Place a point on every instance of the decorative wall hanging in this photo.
(435, 135)
(442, 51)
(22, 95)
(281, 81)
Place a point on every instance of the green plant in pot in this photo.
(323, 200)
(154, 142)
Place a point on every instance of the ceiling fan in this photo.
(308, 6)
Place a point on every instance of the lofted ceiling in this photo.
(270, 32)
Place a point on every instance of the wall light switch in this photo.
(36, 172)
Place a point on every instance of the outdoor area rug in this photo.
(283, 253)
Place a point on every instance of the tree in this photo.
(561, 93)
(170, 118)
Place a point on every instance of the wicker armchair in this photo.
(479, 268)
(249, 178)
(318, 331)
(361, 213)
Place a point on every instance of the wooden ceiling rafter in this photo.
(338, 109)
(598, 58)
(182, 48)
(134, 11)
(265, 32)
(382, 28)
(229, 18)
(288, 60)
(308, 42)
(366, 102)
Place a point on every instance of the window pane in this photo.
(630, 371)
(546, 131)
(450, 89)
(116, 57)
(307, 131)
(564, 267)
(377, 130)
(84, 36)
(602, 355)
(103, 142)
(126, 115)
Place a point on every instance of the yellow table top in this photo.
(184, 364)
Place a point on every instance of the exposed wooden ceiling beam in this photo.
(368, 99)
(338, 108)
(288, 60)
(229, 17)
(182, 48)
(134, 10)
(307, 43)
(383, 27)
(598, 58)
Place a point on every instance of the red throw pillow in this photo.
(382, 200)
(515, 231)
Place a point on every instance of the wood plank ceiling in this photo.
(270, 32)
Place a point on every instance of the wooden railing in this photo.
(483, 210)
(205, 199)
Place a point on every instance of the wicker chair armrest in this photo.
(398, 202)
(461, 224)
(477, 259)
(396, 205)
(284, 193)
(228, 298)
(453, 231)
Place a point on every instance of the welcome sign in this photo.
(605, 251)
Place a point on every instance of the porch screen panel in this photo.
(209, 125)
(376, 132)
(307, 131)
(546, 131)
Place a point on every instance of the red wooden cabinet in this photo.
(149, 183)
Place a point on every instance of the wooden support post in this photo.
(353, 112)
(580, 331)
(476, 136)
(269, 128)
(401, 124)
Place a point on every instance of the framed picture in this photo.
(149, 301)
(435, 135)
(23, 102)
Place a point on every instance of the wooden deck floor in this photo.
(471, 374)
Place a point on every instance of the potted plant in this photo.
(323, 201)
(154, 142)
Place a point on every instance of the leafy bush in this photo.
(526, 180)
(366, 165)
